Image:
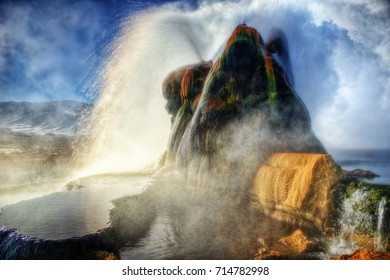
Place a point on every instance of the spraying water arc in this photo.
(129, 126)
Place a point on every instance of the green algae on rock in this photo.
(233, 115)
(182, 89)
(230, 118)
(357, 205)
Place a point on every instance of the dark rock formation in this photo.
(247, 82)
(15, 246)
(240, 129)
(182, 90)
(278, 46)
(246, 111)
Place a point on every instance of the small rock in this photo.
(297, 242)
(74, 185)
(104, 255)
(365, 254)
(361, 173)
(261, 242)
(288, 247)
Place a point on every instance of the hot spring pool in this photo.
(72, 212)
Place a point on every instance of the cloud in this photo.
(340, 53)
(45, 46)
(358, 114)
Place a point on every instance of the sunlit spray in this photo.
(129, 126)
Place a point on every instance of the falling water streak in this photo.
(350, 220)
(383, 238)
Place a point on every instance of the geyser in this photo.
(129, 127)
(248, 132)
(247, 110)
(228, 119)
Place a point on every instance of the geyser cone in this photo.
(247, 110)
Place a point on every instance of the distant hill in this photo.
(56, 117)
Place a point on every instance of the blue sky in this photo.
(340, 51)
(48, 49)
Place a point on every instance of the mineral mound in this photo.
(229, 117)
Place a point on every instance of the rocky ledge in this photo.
(361, 173)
